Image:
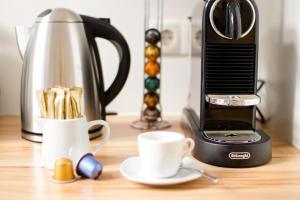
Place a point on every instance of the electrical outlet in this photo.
(171, 38)
(196, 40)
(178, 37)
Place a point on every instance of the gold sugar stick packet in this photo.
(42, 102)
(68, 104)
(59, 112)
(49, 99)
(76, 95)
(58, 89)
(60, 102)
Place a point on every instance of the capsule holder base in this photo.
(146, 125)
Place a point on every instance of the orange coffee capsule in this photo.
(152, 68)
(151, 99)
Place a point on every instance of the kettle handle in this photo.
(102, 29)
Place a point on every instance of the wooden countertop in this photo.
(21, 176)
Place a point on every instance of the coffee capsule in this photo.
(63, 171)
(152, 83)
(151, 99)
(89, 167)
(152, 36)
(151, 114)
(152, 68)
(152, 52)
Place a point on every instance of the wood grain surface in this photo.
(22, 177)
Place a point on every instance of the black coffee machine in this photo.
(222, 115)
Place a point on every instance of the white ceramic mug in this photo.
(161, 152)
(68, 138)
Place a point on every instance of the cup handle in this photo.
(191, 144)
(106, 133)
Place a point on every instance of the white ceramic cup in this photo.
(161, 152)
(68, 138)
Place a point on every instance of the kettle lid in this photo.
(58, 15)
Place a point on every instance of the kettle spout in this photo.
(23, 34)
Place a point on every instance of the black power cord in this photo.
(261, 118)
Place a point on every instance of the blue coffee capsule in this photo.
(152, 83)
(89, 167)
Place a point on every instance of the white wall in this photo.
(283, 61)
(128, 17)
(290, 64)
(279, 64)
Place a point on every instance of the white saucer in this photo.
(131, 169)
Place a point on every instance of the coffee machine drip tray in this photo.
(233, 100)
(233, 136)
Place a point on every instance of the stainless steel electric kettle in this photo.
(60, 49)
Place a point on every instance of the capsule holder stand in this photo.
(151, 111)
